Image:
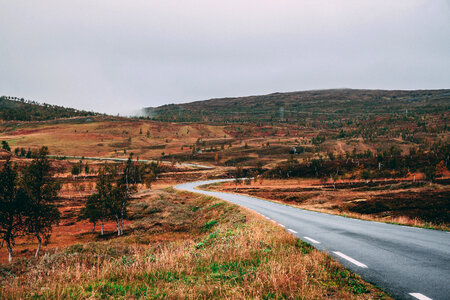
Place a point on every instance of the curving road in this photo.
(408, 262)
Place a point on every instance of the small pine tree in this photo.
(5, 146)
(101, 200)
(75, 169)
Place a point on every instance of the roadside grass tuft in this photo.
(303, 247)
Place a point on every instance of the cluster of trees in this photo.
(79, 167)
(12, 108)
(386, 164)
(22, 152)
(114, 188)
(27, 201)
(28, 195)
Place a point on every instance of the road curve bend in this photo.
(408, 262)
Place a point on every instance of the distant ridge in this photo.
(314, 104)
(19, 109)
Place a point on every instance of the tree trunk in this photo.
(93, 227)
(39, 244)
(103, 223)
(122, 215)
(10, 251)
(118, 225)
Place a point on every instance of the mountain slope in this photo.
(313, 105)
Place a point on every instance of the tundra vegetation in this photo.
(83, 227)
(182, 245)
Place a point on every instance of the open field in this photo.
(180, 245)
(216, 145)
(117, 137)
(107, 137)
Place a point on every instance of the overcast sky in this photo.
(115, 56)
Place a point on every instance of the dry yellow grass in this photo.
(105, 137)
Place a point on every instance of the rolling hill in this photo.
(18, 109)
(317, 105)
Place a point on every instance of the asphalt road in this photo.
(408, 262)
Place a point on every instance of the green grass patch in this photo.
(303, 247)
(208, 225)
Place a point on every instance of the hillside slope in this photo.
(316, 105)
(12, 108)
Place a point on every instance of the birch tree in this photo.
(41, 191)
(11, 204)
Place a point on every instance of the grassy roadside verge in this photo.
(399, 220)
(183, 245)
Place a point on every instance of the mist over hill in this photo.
(294, 107)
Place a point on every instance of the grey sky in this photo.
(115, 56)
